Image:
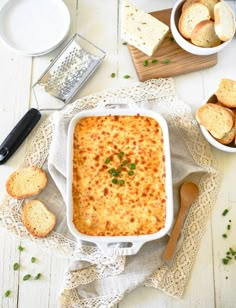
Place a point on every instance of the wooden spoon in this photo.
(188, 194)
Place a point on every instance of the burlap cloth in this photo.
(97, 280)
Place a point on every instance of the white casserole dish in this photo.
(119, 245)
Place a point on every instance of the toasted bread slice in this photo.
(228, 138)
(210, 4)
(216, 119)
(37, 219)
(224, 21)
(204, 35)
(226, 93)
(26, 182)
(190, 17)
(187, 3)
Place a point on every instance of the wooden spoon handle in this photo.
(170, 248)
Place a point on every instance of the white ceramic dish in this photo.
(225, 148)
(34, 27)
(185, 44)
(120, 245)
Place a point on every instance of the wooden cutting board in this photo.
(180, 61)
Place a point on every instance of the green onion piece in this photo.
(7, 293)
(154, 61)
(224, 235)
(33, 259)
(172, 39)
(124, 43)
(145, 63)
(16, 266)
(113, 75)
(126, 76)
(121, 182)
(20, 248)
(131, 172)
(120, 154)
(114, 181)
(125, 162)
(111, 170)
(225, 261)
(166, 61)
(116, 173)
(107, 160)
(232, 251)
(228, 227)
(38, 276)
(27, 277)
(132, 166)
(228, 257)
(225, 212)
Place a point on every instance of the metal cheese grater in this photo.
(56, 87)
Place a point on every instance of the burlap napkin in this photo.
(97, 280)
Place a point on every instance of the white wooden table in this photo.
(212, 284)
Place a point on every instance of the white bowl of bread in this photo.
(217, 117)
(202, 27)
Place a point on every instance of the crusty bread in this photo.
(229, 137)
(224, 21)
(26, 182)
(210, 4)
(190, 17)
(216, 119)
(37, 219)
(187, 3)
(226, 93)
(204, 35)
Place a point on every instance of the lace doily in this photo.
(171, 278)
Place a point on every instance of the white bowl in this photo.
(226, 148)
(185, 44)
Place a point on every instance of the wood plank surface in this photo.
(180, 61)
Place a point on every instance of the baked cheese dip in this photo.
(118, 176)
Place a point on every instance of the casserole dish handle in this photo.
(121, 248)
(117, 102)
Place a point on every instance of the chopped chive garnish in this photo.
(120, 154)
(114, 181)
(27, 277)
(172, 39)
(16, 266)
(20, 248)
(107, 160)
(111, 170)
(126, 76)
(228, 257)
(38, 276)
(154, 61)
(132, 166)
(113, 75)
(228, 227)
(7, 293)
(225, 261)
(33, 259)
(125, 162)
(131, 172)
(166, 61)
(224, 235)
(121, 182)
(116, 173)
(232, 251)
(145, 63)
(124, 43)
(225, 212)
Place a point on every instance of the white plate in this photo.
(34, 27)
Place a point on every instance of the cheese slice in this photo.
(141, 30)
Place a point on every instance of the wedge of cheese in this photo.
(140, 29)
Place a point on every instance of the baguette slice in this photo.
(190, 17)
(210, 4)
(226, 93)
(229, 137)
(224, 21)
(187, 3)
(216, 119)
(204, 35)
(37, 219)
(26, 182)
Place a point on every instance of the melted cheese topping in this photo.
(136, 207)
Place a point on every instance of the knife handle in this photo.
(19, 134)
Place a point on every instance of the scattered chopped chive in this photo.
(131, 172)
(7, 293)
(111, 170)
(125, 162)
(228, 227)
(166, 61)
(126, 76)
(225, 212)
(228, 257)
(33, 259)
(16, 266)
(154, 60)
(228, 253)
(124, 43)
(27, 277)
(224, 235)
(113, 75)
(114, 181)
(120, 154)
(232, 251)
(132, 166)
(116, 173)
(107, 160)
(20, 248)
(121, 182)
(38, 276)
(145, 63)
(171, 39)
(225, 261)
